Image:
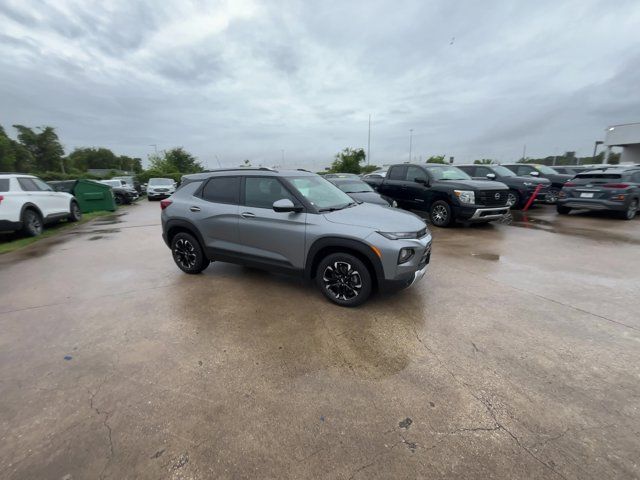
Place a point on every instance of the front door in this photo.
(273, 238)
(416, 190)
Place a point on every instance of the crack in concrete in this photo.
(487, 405)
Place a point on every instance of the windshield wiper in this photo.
(340, 207)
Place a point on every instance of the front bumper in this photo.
(477, 213)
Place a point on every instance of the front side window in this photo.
(525, 169)
(503, 171)
(546, 170)
(321, 193)
(28, 185)
(350, 186)
(262, 192)
(222, 190)
(415, 174)
(482, 171)
(41, 185)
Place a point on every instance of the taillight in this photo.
(165, 203)
(616, 185)
(1, 198)
(569, 184)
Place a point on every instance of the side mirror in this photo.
(534, 174)
(285, 205)
(491, 176)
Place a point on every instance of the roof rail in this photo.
(214, 170)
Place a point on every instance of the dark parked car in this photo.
(557, 179)
(123, 194)
(358, 190)
(612, 189)
(375, 178)
(341, 175)
(446, 193)
(520, 188)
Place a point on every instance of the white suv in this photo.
(27, 203)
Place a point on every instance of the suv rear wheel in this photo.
(31, 223)
(563, 210)
(188, 254)
(344, 279)
(440, 214)
(631, 211)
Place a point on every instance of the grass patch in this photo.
(13, 241)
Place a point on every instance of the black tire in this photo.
(440, 214)
(344, 279)
(631, 211)
(75, 213)
(563, 210)
(552, 196)
(188, 254)
(32, 224)
(513, 199)
(120, 200)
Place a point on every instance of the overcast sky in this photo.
(242, 79)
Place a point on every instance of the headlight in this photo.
(405, 255)
(399, 235)
(465, 196)
(394, 204)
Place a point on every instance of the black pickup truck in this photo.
(445, 192)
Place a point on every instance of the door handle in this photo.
(194, 209)
(247, 215)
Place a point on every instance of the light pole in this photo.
(410, 143)
(369, 141)
(282, 157)
(595, 147)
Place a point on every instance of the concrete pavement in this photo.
(518, 356)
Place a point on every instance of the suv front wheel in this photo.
(188, 254)
(344, 279)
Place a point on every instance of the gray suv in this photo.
(294, 222)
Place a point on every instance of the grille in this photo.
(162, 189)
(492, 198)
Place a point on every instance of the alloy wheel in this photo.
(185, 253)
(34, 222)
(632, 210)
(552, 196)
(440, 214)
(342, 280)
(511, 199)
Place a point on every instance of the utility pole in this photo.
(282, 157)
(595, 147)
(369, 142)
(524, 152)
(410, 143)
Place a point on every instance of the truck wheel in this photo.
(440, 214)
(552, 196)
(119, 199)
(32, 223)
(630, 212)
(74, 213)
(188, 254)
(563, 210)
(344, 279)
(513, 199)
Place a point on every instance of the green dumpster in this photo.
(91, 196)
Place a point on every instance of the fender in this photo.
(182, 223)
(339, 242)
(31, 205)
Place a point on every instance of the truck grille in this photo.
(492, 198)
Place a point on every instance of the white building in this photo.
(626, 136)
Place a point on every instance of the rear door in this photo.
(266, 236)
(394, 184)
(215, 212)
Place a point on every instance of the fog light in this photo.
(405, 255)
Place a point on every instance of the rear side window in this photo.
(396, 173)
(611, 176)
(261, 192)
(222, 190)
(4, 184)
(28, 185)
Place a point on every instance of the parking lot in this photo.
(517, 356)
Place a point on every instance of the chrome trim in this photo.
(496, 215)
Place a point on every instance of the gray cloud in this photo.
(242, 80)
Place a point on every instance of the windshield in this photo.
(447, 173)
(321, 193)
(112, 183)
(503, 171)
(546, 170)
(350, 186)
(160, 181)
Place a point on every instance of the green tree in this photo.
(483, 161)
(175, 160)
(369, 168)
(85, 158)
(14, 157)
(44, 145)
(436, 159)
(348, 161)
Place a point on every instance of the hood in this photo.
(369, 197)
(377, 217)
(473, 184)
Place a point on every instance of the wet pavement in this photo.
(518, 356)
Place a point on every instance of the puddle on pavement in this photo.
(110, 219)
(97, 237)
(523, 220)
